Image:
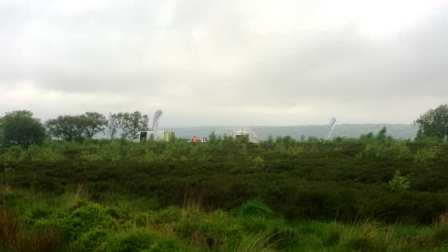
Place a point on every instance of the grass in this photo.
(14, 236)
(72, 222)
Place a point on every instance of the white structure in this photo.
(159, 135)
(332, 125)
(154, 133)
(156, 119)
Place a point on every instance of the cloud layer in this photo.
(209, 62)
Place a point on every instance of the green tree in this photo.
(212, 138)
(21, 128)
(94, 123)
(66, 127)
(127, 124)
(77, 127)
(433, 123)
(382, 134)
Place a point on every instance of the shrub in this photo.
(135, 240)
(253, 243)
(165, 216)
(83, 218)
(399, 183)
(90, 240)
(12, 155)
(254, 208)
(426, 154)
(386, 151)
(258, 163)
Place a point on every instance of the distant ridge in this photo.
(401, 131)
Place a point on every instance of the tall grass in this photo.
(73, 223)
(15, 237)
(255, 243)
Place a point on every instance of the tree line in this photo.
(22, 128)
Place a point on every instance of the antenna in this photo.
(332, 125)
(156, 119)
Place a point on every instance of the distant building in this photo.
(196, 139)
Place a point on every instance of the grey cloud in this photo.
(343, 65)
(206, 57)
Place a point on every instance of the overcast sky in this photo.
(232, 62)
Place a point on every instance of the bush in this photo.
(90, 240)
(255, 208)
(399, 183)
(386, 151)
(426, 154)
(83, 218)
(136, 240)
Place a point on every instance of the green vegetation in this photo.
(71, 222)
(434, 123)
(344, 179)
(368, 194)
(20, 128)
(127, 124)
(77, 127)
(374, 193)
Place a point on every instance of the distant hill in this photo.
(401, 131)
